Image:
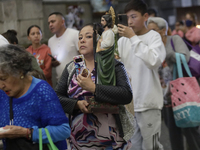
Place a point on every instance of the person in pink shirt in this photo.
(40, 51)
(192, 32)
(177, 30)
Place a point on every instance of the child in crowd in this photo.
(40, 51)
(11, 37)
(142, 52)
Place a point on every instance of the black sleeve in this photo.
(119, 94)
(61, 89)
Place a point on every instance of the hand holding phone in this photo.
(52, 57)
(122, 19)
(79, 63)
(123, 28)
(54, 61)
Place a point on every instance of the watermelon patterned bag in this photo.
(185, 96)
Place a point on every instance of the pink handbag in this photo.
(185, 96)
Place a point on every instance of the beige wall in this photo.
(19, 15)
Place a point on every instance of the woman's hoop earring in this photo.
(22, 77)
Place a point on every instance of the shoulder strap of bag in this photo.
(185, 65)
(172, 44)
(11, 110)
(187, 43)
(40, 139)
(177, 66)
(51, 145)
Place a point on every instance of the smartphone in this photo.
(122, 19)
(52, 57)
(79, 64)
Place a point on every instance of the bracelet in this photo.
(30, 135)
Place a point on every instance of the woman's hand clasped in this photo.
(82, 105)
(87, 84)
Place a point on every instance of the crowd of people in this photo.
(30, 101)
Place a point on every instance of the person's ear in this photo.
(146, 16)
(63, 21)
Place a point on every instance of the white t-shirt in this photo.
(142, 55)
(3, 41)
(64, 48)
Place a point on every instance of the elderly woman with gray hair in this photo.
(173, 44)
(27, 103)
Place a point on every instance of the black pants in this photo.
(176, 134)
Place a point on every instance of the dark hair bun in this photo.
(12, 32)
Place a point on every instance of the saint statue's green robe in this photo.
(106, 67)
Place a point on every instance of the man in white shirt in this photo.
(64, 43)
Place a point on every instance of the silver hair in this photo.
(160, 22)
(14, 60)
